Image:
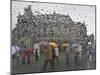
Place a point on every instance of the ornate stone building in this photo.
(54, 26)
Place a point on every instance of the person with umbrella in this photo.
(26, 54)
(76, 50)
(67, 51)
(55, 52)
(15, 53)
(47, 53)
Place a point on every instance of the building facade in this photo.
(54, 26)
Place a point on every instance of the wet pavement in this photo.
(36, 66)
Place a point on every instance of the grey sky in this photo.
(76, 12)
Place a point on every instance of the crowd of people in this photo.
(51, 51)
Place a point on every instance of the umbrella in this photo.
(65, 45)
(21, 50)
(53, 44)
(43, 43)
(75, 45)
(14, 49)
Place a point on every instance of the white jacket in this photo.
(37, 47)
(56, 52)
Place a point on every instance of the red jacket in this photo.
(26, 53)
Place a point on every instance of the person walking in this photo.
(48, 57)
(23, 56)
(78, 54)
(67, 52)
(15, 53)
(36, 51)
(57, 55)
(28, 53)
(55, 52)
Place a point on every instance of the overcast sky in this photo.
(76, 12)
